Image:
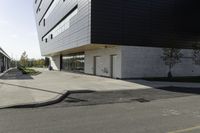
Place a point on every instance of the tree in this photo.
(36, 63)
(40, 63)
(13, 63)
(196, 56)
(171, 57)
(24, 59)
(30, 62)
(26, 62)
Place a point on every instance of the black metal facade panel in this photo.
(155, 23)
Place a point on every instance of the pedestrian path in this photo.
(19, 89)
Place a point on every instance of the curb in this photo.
(55, 100)
(5, 72)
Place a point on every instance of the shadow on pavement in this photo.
(89, 98)
(15, 74)
(86, 98)
(185, 90)
(22, 77)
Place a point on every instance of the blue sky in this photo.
(18, 29)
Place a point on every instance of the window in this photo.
(44, 22)
(38, 9)
(63, 25)
(73, 62)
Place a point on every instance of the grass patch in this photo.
(28, 71)
(195, 79)
(31, 71)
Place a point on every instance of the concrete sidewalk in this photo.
(50, 85)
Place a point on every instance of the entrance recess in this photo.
(73, 62)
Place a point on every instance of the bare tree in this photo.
(171, 57)
(24, 59)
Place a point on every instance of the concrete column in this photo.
(61, 62)
(55, 62)
(6, 64)
(1, 64)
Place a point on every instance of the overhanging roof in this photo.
(4, 53)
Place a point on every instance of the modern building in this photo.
(4, 61)
(118, 38)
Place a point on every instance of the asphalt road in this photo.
(174, 112)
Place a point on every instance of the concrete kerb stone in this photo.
(59, 98)
(7, 71)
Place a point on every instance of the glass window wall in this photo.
(73, 62)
